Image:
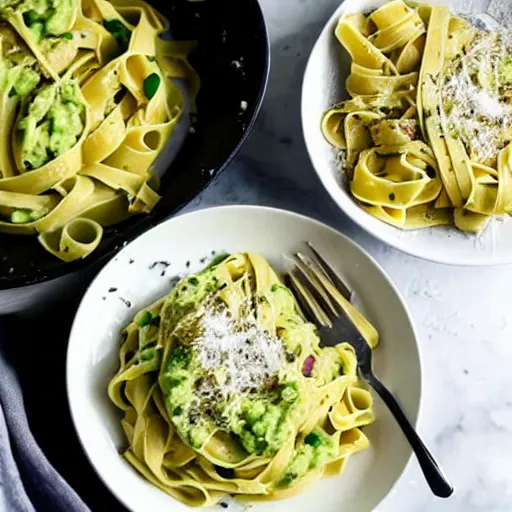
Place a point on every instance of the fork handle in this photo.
(433, 474)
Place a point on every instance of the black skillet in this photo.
(233, 61)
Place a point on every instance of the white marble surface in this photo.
(461, 314)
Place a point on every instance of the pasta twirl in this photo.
(225, 390)
(87, 102)
(427, 131)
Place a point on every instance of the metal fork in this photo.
(318, 289)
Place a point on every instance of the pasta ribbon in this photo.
(88, 100)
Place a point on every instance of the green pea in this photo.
(147, 354)
(20, 216)
(145, 319)
(313, 440)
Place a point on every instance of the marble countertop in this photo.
(461, 314)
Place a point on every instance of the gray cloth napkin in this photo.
(34, 416)
(16, 438)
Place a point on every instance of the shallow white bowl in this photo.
(94, 344)
(323, 86)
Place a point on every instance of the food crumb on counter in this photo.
(244, 105)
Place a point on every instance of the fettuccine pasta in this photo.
(426, 133)
(88, 100)
(225, 390)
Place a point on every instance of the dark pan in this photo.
(233, 61)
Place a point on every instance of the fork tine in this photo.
(307, 267)
(331, 274)
(306, 300)
(323, 284)
(346, 309)
(312, 286)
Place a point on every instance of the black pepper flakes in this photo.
(163, 263)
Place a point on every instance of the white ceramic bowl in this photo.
(323, 86)
(94, 343)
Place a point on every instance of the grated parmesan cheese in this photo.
(476, 108)
(240, 355)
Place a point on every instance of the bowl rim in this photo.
(346, 203)
(416, 423)
(133, 232)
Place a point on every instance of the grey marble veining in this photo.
(461, 314)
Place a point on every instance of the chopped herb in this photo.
(151, 84)
(288, 479)
(121, 34)
(163, 263)
(145, 319)
(218, 259)
(193, 281)
(68, 36)
(313, 440)
(151, 58)
(30, 17)
(178, 411)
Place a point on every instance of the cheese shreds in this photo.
(476, 96)
(239, 355)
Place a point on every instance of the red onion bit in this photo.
(307, 368)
